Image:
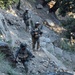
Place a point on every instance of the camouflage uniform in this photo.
(24, 55)
(26, 19)
(35, 33)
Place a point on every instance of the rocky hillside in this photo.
(50, 60)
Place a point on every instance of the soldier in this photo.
(36, 33)
(24, 55)
(26, 19)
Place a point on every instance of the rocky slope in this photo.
(46, 60)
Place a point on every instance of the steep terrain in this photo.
(45, 60)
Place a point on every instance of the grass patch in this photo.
(5, 66)
(4, 4)
(9, 42)
(69, 25)
(1, 57)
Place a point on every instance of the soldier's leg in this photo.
(27, 25)
(25, 65)
(33, 43)
(38, 44)
(27, 28)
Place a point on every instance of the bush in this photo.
(1, 57)
(69, 25)
(5, 3)
(5, 67)
(66, 45)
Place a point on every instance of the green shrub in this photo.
(5, 3)
(66, 45)
(9, 42)
(69, 25)
(1, 57)
(5, 67)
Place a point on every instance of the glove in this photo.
(41, 33)
(15, 61)
(33, 56)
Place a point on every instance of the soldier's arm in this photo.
(40, 32)
(30, 55)
(32, 32)
(16, 54)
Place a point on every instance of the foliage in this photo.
(6, 3)
(5, 67)
(9, 42)
(69, 25)
(1, 57)
(64, 6)
(66, 45)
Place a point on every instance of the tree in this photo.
(55, 7)
(67, 6)
(44, 2)
(64, 6)
(6, 3)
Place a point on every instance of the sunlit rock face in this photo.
(4, 32)
(51, 4)
(9, 26)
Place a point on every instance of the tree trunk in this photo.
(18, 5)
(54, 8)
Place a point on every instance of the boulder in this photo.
(50, 22)
(67, 56)
(5, 49)
(2, 73)
(39, 6)
(58, 51)
(3, 45)
(59, 73)
(73, 57)
(4, 28)
(47, 40)
(63, 73)
(50, 48)
(43, 44)
(14, 20)
(44, 39)
(51, 73)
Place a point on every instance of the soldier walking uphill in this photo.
(24, 55)
(36, 33)
(26, 19)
